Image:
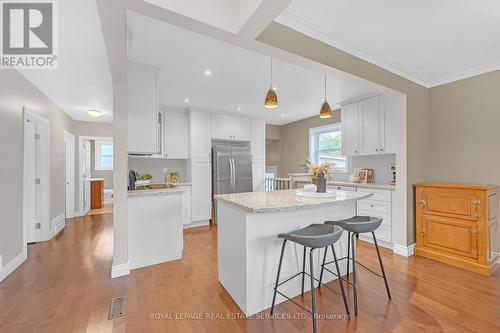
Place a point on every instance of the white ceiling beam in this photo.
(262, 18)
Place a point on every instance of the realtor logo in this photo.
(28, 34)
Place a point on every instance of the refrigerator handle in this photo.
(233, 175)
(230, 174)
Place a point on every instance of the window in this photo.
(325, 145)
(103, 155)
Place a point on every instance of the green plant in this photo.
(146, 176)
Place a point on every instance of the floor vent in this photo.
(117, 307)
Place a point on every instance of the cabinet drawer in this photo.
(386, 219)
(375, 206)
(379, 195)
(341, 188)
(455, 203)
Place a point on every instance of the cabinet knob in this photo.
(376, 149)
(422, 203)
(381, 149)
(356, 151)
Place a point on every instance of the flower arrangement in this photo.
(324, 167)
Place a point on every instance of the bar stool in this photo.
(314, 236)
(354, 226)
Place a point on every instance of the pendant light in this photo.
(271, 101)
(326, 111)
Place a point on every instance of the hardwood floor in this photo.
(65, 287)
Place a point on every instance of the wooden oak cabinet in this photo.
(457, 224)
(96, 193)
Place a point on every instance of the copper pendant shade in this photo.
(271, 101)
(326, 111)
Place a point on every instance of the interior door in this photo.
(222, 170)
(69, 150)
(30, 181)
(86, 175)
(242, 161)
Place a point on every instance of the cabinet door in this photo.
(259, 175)
(221, 127)
(186, 204)
(455, 236)
(454, 203)
(201, 195)
(176, 135)
(258, 141)
(369, 120)
(142, 114)
(240, 129)
(350, 129)
(387, 126)
(200, 134)
(161, 136)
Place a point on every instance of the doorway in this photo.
(36, 178)
(69, 174)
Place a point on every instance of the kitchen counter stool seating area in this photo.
(354, 226)
(314, 236)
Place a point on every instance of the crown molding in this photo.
(305, 24)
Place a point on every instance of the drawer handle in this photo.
(423, 232)
(422, 203)
(372, 206)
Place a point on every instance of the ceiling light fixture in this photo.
(271, 101)
(186, 100)
(326, 111)
(239, 108)
(94, 112)
(208, 72)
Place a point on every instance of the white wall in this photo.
(155, 167)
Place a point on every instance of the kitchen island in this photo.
(248, 247)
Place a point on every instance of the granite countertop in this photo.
(285, 200)
(154, 190)
(375, 186)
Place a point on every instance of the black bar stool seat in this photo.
(314, 236)
(358, 224)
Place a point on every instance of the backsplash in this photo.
(380, 163)
(155, 167)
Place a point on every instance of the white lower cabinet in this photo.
(186, 205)
(201, 195)
(378, 205)
(258, 175)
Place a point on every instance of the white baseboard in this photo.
(81, 213)
(57, 224)
(405, 251)
(12, 265)
(120, 270)
(197, 224)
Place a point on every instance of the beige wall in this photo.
(417, 106)
(16, 92)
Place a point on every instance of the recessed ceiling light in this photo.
(208, 72)
(282, 114)
(186, 100)
(94, 112)
(239, 108)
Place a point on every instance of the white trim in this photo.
(120, 270)
(57, 224)
(80, 213)
(197, 224)
(97, 155)
(70, 211)
(12, 265)
(405, 251)
(313, 132)
(305, 24)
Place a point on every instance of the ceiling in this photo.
(239, 78)
(83, 78)
(430, 42)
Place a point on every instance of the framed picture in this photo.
(363, 174)
(370, 173)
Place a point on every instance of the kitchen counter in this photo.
(155, 190)
(363, 185)
(285, 200)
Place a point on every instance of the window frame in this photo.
(98, 155)
(314, 141)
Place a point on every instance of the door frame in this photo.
(81, 139)
(44, 174)
(69, 166)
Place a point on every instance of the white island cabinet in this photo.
(249, 249)
(155, 220)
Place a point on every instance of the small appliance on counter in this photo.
(132, 178)
(393, 170)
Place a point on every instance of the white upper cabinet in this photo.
(258, 141)
(226, 127)
(220, 127)
(176, 135)
(200, 134)
(142, 114)
(240, 129)
(368, 127)
(350, 129)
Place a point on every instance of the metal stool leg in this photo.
(278, 275)
(313, 291)
(322, 267)
(381, 266)
(348, 251)
(354, 288)
(340, 281)
(303, 269)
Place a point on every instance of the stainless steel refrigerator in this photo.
(231, 168)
